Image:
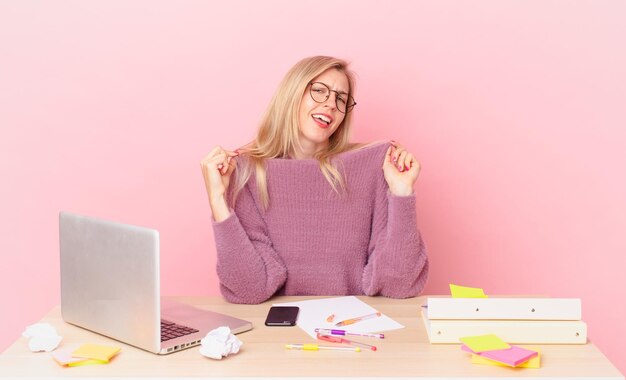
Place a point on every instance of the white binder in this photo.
(511, 331)
(568, 309)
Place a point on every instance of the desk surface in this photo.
(403, 353)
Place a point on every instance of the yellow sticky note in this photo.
(482, 343)
(534, 362)
(466, 292)
(88, 362)
(94, 351)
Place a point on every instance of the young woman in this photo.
(301, 211)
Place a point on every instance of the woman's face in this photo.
(318, 121)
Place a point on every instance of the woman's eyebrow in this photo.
(338, 91)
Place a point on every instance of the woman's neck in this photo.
(307, 150)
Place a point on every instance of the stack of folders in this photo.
(514, 320)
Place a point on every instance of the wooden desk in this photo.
(404, 353)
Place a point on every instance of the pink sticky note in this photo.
(63, 356)
(512, 356)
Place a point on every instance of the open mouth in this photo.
(322, 120)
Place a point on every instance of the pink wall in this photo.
(515, 108)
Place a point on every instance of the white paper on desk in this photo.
(313, 315)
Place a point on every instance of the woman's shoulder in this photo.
(366, 151)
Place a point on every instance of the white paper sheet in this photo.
(313, 315)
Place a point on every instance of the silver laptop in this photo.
(110, 285)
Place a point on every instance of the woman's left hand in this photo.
(401, 170)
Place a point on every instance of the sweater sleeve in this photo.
(397, 264)
(249, 269)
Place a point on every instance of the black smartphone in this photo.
(282, 316)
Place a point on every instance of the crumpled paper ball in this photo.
(42, 337)
(219, 343)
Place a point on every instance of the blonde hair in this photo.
(278, 132)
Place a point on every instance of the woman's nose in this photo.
(331, 101)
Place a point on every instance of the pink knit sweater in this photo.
(313, 241)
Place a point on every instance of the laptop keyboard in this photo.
(170, 330)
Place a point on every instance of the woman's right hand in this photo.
(217, 167)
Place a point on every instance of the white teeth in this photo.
(322, 118)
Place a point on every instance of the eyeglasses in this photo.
(321, 92)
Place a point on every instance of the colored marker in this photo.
(359, 344)
(316, 347)
(336, 339)
(358, 319)
(344, 333)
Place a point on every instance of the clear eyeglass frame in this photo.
(343, 105)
